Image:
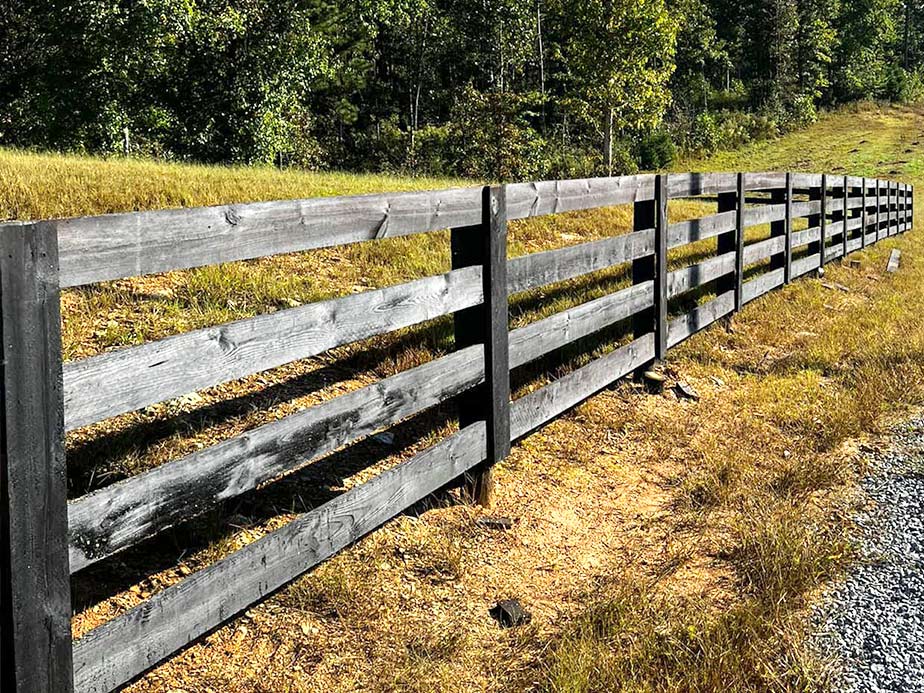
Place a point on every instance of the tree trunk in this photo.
(608, 142)
(907, 22)
(541, 59)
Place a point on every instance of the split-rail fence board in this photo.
(812, 220)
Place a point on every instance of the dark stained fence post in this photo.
(910, 207)
(878, 209)
(661, 266)
(778, 228)
(814, 220)
(892, 214)
(486, 245)
(787, 229)
(888, 208)
(837, 216)
(845, 217)
(739, 240)
(863, 227)
(644, 218)
(35, 632)
(727, 242)
(823, 221)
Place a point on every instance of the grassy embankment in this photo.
(661, 544)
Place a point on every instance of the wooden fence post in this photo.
(837, 216)
(661, 266)
(727, 242)
(845, 217)
(823, 221)
(739, 240)
(778, 228)
(787, 253)
(35, 632)
(863, 227)
(911, 207)
(486, 245)
(893, 214)
(644, 269)
(878, 209)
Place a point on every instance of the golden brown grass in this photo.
(661, 544)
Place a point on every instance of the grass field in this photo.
(660, 544)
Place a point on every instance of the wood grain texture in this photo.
(533, 410)
(121, 649)
(137, 376)
(804, 181)
(686, 278)
(764, 181)
(495, 403)
(757, 287)
(538, 269)
(700, 317)
(787, 252)
(693, 230)
(864, 210)
(128, 645)
(805, 264)
(739, 241)
(661, 277)
(755, 216)
(122, 514)
(806, 209)
(696, 184)
(112, 246)
(543, 336)
(761, 250)
(553, 197)
(35, 644)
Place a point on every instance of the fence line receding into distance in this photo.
(811, 220)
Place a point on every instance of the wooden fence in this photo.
(45, 538)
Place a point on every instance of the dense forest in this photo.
(496, 89)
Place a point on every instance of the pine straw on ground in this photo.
(659, 543)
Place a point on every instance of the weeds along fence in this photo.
(812, 220)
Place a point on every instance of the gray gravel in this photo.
(873, 622)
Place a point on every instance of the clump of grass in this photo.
(783, 551)
(634, 639)
(337, 589)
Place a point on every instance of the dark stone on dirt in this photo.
(494, 522)
(686, 391)
(510, 614)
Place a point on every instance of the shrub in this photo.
(800, 113)
(903, 86)
(704, 134)
(655, 150)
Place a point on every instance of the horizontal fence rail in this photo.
(680, 276)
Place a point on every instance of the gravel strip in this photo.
(873, 621)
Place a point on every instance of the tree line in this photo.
(495, 89)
